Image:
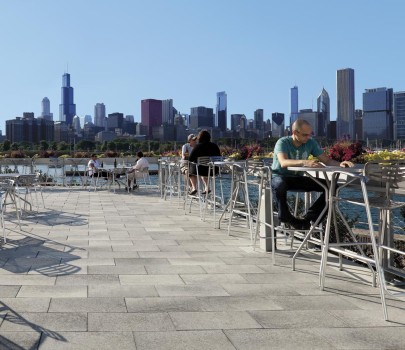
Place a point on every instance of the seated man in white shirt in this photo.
(136, 171)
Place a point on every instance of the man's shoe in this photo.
(135, 187)
(298, 224)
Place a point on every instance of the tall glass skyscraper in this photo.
(67, 108)
(399, 115)
(167, 112)
(99, 114)
(221, 116)
(294, 104)
(345, 103)
(377, 114)
(46, 109)
(323, 109)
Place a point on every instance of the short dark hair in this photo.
(140, 154)
(93, 155)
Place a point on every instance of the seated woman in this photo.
(203, 148)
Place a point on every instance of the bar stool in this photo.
(378, 184)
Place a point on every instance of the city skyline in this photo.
(255, 53)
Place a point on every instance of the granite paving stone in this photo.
(183, 340)
(157, 321)
(104, 270)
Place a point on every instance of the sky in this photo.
(120, 52)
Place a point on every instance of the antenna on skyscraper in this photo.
(67, 67)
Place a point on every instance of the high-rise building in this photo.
(345, 103)
(323, 109)
(399, 115)
(312, 118)
(201, 117)
(221, 111)
(76, 123)
(67, 108)
(277, 126)
(294, 104)
(130, 118)
(87, 119)
(378, 114)
(235, 121)
(99, 114)
(167, 111)
(29, 129)
(151, 114)
(46, 109)
(114, 121)
(258, 123)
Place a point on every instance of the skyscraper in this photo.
(345, 103)
(277, 126)
(201, 117)
(151, 114)
(377, 114)
(67, 108)
(294, 104)
(323, 109)
(167, 111)
(258, 122)
(99, 114)
(221, 116)
(46, 109)
(399, 115)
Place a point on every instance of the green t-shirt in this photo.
(285, 145)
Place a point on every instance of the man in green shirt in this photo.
(293, 151)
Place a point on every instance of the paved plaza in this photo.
(104, 270)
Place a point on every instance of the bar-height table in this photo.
(314, 173)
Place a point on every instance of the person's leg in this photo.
(206, 184)
(193, 181)
(280, 187)
(309, 185)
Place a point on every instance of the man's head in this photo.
(93, 156)
(192, 139)
(139, 154)
(301, 130)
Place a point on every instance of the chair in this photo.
(378, 184)
(7, 191)
(25, 184)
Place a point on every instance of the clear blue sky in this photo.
(120, 52)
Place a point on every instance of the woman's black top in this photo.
(206, 149)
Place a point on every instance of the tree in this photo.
(43, 145)
(63, 146)
(54, 146)
(112, 146)
(6, 145)
(85, 145)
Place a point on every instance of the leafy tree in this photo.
(54, 146)
(6, 145)
(86, 145)
(112, 146)
(63, 146)
(43, 145)
(15, 146)
(104, 146)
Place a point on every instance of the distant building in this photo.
(151, 114)
(167, 111)
(323, 109)
(62, 132)
(221, 111)
(130, 118)
(76, 124)
(87, 119)
(115, 121)
(358, 124)
(235, 121)
(29, 129)
(378, 114)
(201, 117)
(399, 115)
(99, 114)
(67, 108)
(46, 109)
(258, 119)
(105, 136)
(293, 104)
(278, 125)
(345, 103)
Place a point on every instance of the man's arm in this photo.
(285, 162)
(327, 161)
